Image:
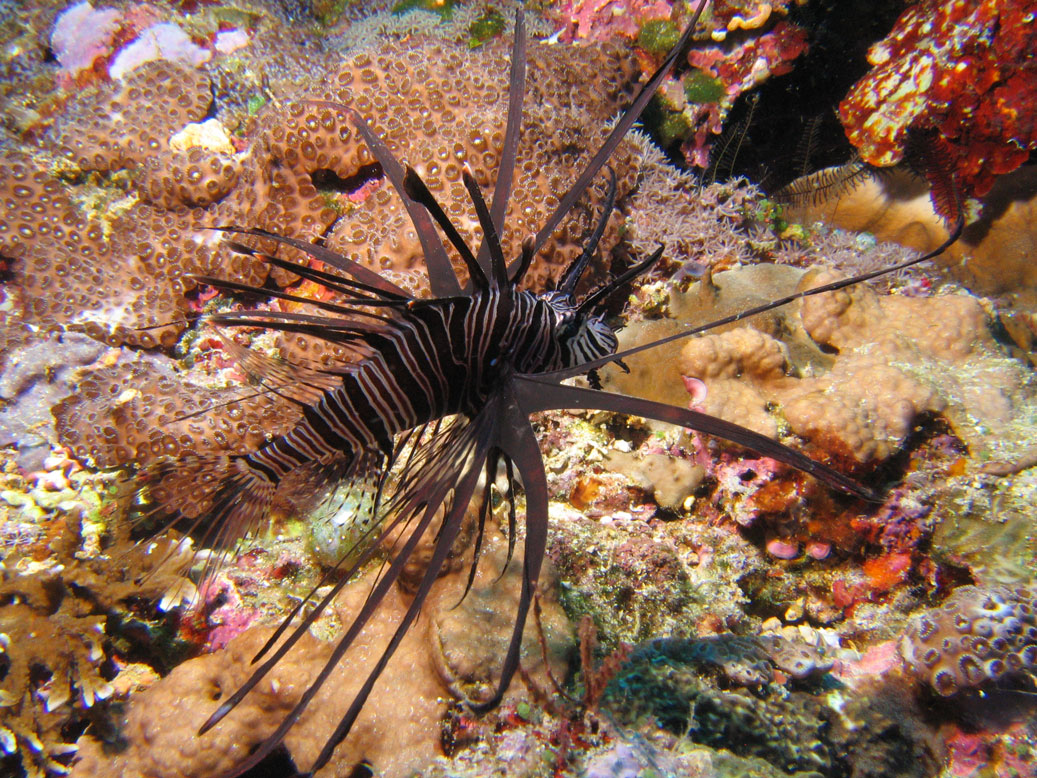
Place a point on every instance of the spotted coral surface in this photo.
(978, 635)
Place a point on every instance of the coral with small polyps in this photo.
(104, 244)
(138, 410)
(978, 635)
(962, 72)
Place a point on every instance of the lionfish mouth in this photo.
(413, 361)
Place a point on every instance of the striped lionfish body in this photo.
(487, 355)
(435, 361)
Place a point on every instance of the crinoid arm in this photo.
(536, 394)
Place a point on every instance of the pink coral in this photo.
(602, 19)
(82, 34)
(738, 69)
(962, 72)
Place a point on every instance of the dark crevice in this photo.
(325, 180)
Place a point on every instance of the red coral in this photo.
(739, 69)
(962, 70)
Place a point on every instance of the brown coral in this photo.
(111, 421)
(447, 645)
(977, 635)
(896, 358)
(56, 638)
(118, 273)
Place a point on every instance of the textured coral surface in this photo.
(735, 617)
(959, 74)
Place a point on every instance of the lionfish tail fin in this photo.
(217, 500)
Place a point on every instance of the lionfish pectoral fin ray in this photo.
(441, 276)
(369, 469)
(291, 380)
(491, 237)
(619, 131)
(483, 513)
(416, 189)
(325, 255)
(573, 273)
(519, 444)
(467, 442)
(512, 136)
(539, 395)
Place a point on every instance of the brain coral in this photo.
(976, 635)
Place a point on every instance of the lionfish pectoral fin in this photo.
(291, 380)
(572, 274)
(414, 511)
(441, 276)
(325, 255)
(539, 395)
(463, 490)
(518, 442)
(219, 500)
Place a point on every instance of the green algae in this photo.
(489, 25)
(701, 87)
(444, 8)
(658, 36)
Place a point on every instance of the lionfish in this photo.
(441, 388)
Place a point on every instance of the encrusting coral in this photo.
(890, 358)
(960, 75)
(449, 649)
(978, 635)
(305, 173)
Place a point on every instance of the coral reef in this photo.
(992, 257)
(688, 687)
(976, 636)
(450, 648)
(69, 617)
(853, 371)
(958, 75)
(302, 174)
(767, 612)
(35, 377)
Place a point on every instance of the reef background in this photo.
(708, 612)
